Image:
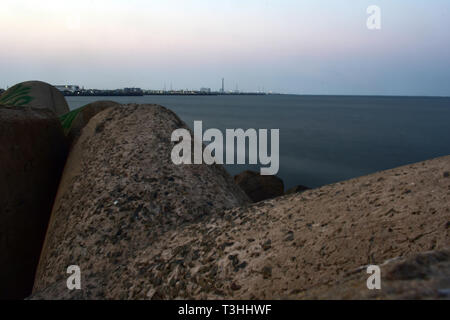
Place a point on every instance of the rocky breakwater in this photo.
(141, 228)
(32, 155)
(121, 195)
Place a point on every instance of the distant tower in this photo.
(223, 85)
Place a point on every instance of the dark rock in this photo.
(235, 286)
(297, 189)
(417, 267)
(419, 276)
(289, 236)
(32, 154)
(266, 272)
(259, 187)
(36, 94)
(267, 245)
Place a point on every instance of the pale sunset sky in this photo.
(287, 46)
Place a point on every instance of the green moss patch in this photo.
(67, 119)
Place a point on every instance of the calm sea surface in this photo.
(323, 139)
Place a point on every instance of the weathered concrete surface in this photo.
(284, 247)
(421, 276)
(258, 187)
(36, 94)
(120, 193)
(83, 117)
(280, 248)
(32, 155)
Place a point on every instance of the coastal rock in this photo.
(120, 194)
(297, 189)
(129, 246)
(82, 116)
(36, 94)
(32, 154)
(258, 187)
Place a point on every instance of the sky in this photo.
(285, 46)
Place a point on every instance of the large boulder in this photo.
(36, 94)
(76, 120)
(259, 187)
(120, 194)
(32, 155)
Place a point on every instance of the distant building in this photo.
(133, 91)
(67, 87)
(205, 90)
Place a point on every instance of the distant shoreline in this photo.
(115, 93)
(112, 94)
